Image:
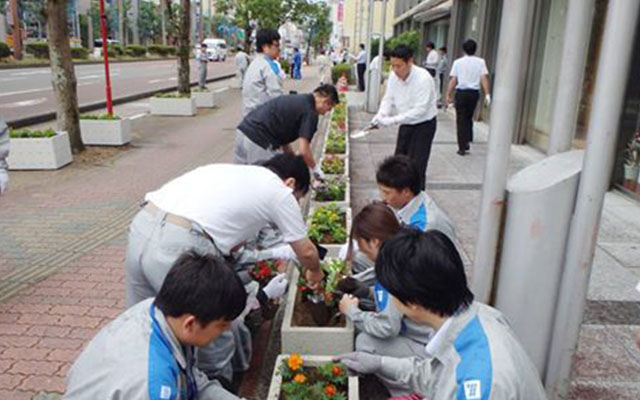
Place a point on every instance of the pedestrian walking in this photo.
(361, 65)
(472, 353)
(4, 153)
(242, 63)
(411, 90)
(431, 61)
(148, 352)
(335, 56)
(467, 74)
(325, 67)
(215, 209)
(297, 64)
(274, 126)
(441, 69)
(202, 60)
(262, 81)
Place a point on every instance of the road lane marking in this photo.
(11, 79)
(24, 103)
(24, 91)
(26, 73)
(158, 80)
(138, 116)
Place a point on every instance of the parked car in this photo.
(216, 49)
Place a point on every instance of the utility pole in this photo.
(375, 76)
(367, 48)
(17, 32)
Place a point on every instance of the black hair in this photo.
(424, 269)
(329, 91)
(401, 51)
(295, 49)
(287, 165)
(204, 286)
(399, 172)
(265, 37)
(431, 45)
(469, 46)
(362, 46)
(203, 44)
(443, 48)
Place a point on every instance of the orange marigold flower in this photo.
(330, 390)
(295, 362)
(299, 378)
(336, 370)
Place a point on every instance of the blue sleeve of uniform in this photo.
(162, 370)
(474, 373)
(419, 218)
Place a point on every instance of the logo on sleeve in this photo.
(381, 296)
(472, 390)
(165, 392)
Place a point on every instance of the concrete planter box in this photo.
(309, 339)
(185, 107)
(40, 153)
(204, 99)
(311, 361)
(344, 203)
(106, 132)
(333, 250)
(343, 157)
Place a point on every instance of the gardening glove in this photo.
(318, 174)
(277, 286)
(280, 253)
(4, 181)
(360, 362)
(487, 100)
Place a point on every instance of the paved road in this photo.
(27, 92)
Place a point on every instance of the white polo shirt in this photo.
(413, 98)
(468, 70)
(432, 59)
(232, 203)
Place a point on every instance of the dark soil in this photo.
(302, 316)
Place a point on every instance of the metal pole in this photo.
(511, 52)
(608, 98)
(367, 49)
(574, 57)
(105, 55)
(375, 77)
(17, 32)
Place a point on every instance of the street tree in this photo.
(63, 77)
(180, 25)
(149, 22)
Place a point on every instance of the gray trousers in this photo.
(202, 75)
(398, 346)
(154, 245)
(248, 153)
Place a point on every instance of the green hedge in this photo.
(114, 50)
(38, 50)
(161, 50)
(5, 50)
(79, 53)
(135, 50)
(28, 133)
(410, 39)
(338, 70)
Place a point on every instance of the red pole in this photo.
(105, 54)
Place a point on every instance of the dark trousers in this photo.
(432, 71)
(361, 69)
(466, 101)
(415, 141)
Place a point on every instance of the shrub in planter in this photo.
(39, 149)
(106, 117)
(333, 165)
(5, 50)
(328, 224)
(172, 95)
(338, 70)
(336, 143)
(322, 303)
(286, 66)
(28, 133)
(105, 130)
(327, 381)
(333, 189)
(135, 50)
(80, 53)
(38, 50)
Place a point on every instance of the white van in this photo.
(216, 49)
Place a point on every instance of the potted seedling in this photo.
(205, 98)
(336, 143)
(105, 129)
(297, 377)
(39, 149)
(173, 104)
(333, 165)
(333, 189)
(322, 303)
(329, 226)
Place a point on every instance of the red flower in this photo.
(330, 390)
(336, 370)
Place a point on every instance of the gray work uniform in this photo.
(202, 68)
(242, 63)
(137, 356)
(4, 145)
(477, 356)
(261, 84)
(423, 213)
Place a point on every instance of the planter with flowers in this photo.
(39, 149)
(105, 129)
(312, 323)
(173, 104)
(335, 165)
(329, 226)
(335, 189)
(205, 98)
(336, 143)
(297, 377)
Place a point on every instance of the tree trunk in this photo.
(163, 23)
(135, 15)
(90, 31)
(63, 77)
(184, 48)
(17, 31)
(121, 23)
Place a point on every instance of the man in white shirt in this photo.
(361, 65)
(467, 74)
(431, 62)
(411, 91)
(242, 63)
(262, 81)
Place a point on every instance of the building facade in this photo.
(350, 21)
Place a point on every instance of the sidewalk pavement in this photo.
(63, 237)
(607, 363)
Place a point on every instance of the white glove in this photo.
(360, 362)
(277, 286)
(487, 100)
(318, 174)
(281, 253)
(386, 121)
(4, 181)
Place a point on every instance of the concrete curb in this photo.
(36, 119)
(19, 66)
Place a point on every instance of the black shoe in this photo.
(461, 152)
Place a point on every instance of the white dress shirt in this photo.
(362, 57)
(432, 60)
(413, 98)
(468, 70)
